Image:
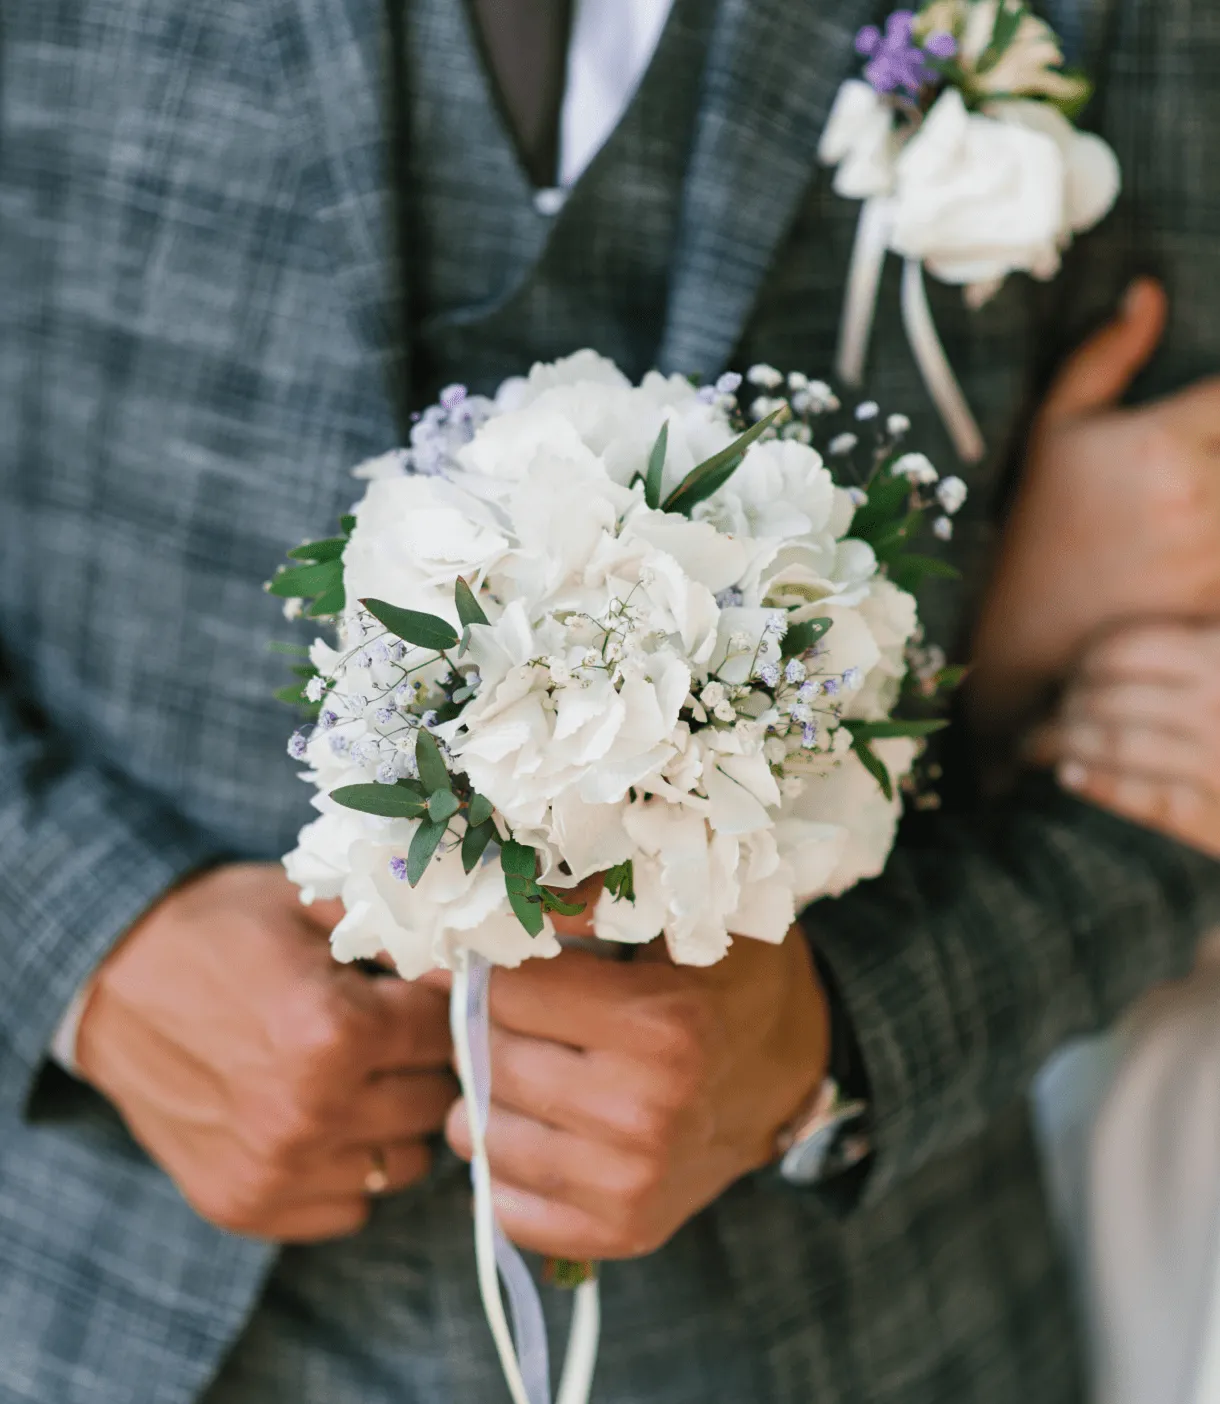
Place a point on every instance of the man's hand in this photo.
(1139, 730)
(264, 1077)
(626, 1097)
(1117, 517)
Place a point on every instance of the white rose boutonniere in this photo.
(961, 143)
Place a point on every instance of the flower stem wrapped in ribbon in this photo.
(960, 141)
(597, 628)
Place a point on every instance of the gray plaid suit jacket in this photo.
(200, 327)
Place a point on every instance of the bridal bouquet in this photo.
(588, 627)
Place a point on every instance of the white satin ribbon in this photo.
(523, 1352)
(859, 310)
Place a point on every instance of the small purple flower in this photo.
(895, 61)
(339, 744)
(328, 719)
(794, 672)
(831, 687)
(428, 719)
(728, 384)
(384, 715)
(808, 690)
(452, 396)
(941, 45)
(706, 395)
(381, 651)
(297, 743)
(731, 598)
(853, 678)
(809, 734)
(386, 774)
(768, 674)
(398, 869)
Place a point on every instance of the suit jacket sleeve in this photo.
(82, 855)
(989, 940)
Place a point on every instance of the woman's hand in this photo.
(1139, 730)
(1117, 518)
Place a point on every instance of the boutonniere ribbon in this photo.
(961, 143)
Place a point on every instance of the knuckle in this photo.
(238, 1202)
(321, 1026)
(676, 1033)
(286, 1128)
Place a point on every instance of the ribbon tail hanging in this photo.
(934, 366)
(523, 1352)
(863, 284)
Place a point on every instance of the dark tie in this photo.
(525, 43)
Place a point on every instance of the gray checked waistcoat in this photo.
(230, 264)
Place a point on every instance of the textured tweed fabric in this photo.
(205, 315)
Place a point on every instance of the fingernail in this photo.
(1072, 775)
(1131, 298)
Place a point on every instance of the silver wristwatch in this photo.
(827, 1136)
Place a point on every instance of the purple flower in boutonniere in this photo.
(896, 61)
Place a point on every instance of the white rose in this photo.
(1091, 170)
(976, 198)
(860, 140)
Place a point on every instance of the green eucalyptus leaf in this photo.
(347, 524)
(293, 694)
(387, 801)
(518, 860)
(620, 881)
(713, 482)
(688, 492)
(1008, 19)
(527, 910)
(470, 611)
(474, 843)
(553, 903)
(887, 498)
(331, 602)
(329, 550)
(442, 806)
(891, 541)
(301, 582)
(800, 638)
(423, 630)
(481, 809)
(951, 677)
(886, 730)
(656, 467)
(909, 571)
(433, 772)
(875, 766)
(425, 843)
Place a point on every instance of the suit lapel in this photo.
(773, 69)
(340, 63)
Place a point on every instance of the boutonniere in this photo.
(960, 140)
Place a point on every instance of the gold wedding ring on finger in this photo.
(377, 1181)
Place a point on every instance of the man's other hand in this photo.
(266, 1079)
(626, 1097)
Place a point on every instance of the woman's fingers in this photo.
(1179, 809)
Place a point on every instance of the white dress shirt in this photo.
(611, 46)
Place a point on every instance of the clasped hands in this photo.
(262, 1076)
